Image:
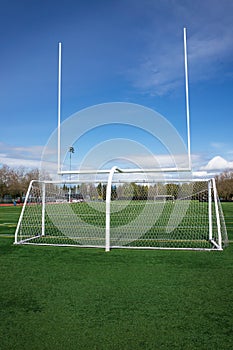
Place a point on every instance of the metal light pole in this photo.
(71, 150)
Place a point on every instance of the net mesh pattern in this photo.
(142, 215)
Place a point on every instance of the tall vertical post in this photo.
(108, 208)
(59, 111)
(22, 212)
(71, 150)
(217, 215)
(187, 98)
(210, 209)
(43, 210)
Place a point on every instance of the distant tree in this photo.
(140, 192)
(99, 189)
(15, 181)
(224, 183)
(114, 192)
(4, 180)
(104, 192)
(172, 190)
(65, 188)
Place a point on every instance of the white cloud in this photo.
(200, 174)
(159, 160)
(230, 152)
(218, 163)
(17, 162)
(203, 167)
(209, 42)
(159, 73)
(218, 145)
(28, 157)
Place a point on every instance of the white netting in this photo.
(155, 214)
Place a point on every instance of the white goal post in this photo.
(187, 167)
(116, 212)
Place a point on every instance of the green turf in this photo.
(228, 215)
(8, 219)
(73, 298)
(132, 225)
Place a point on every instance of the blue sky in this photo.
(127, 51)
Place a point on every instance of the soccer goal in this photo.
(121, 213)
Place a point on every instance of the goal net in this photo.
(120, 213)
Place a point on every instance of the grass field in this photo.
(73, 298)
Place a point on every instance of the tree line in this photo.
(224, 183)
(14, 183)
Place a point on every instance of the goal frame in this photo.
(217, 244)
(187, 168)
